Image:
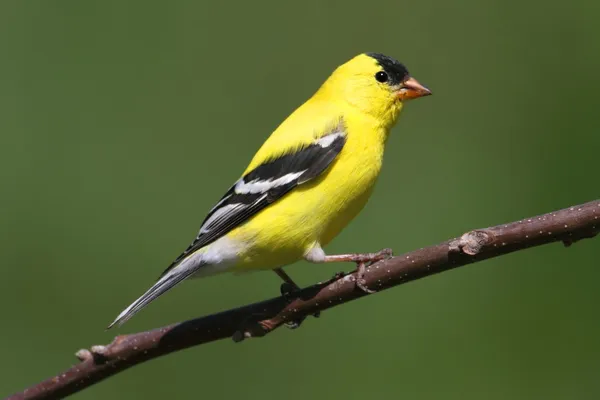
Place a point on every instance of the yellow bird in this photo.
(305, 184)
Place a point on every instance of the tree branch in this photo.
(568, 225)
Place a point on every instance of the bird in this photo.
(308, 180)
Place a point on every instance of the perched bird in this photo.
(305, 184)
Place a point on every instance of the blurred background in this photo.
(121, 123)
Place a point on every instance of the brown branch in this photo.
(100, 362)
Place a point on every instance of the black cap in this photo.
(396, 70)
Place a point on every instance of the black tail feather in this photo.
(165, 283)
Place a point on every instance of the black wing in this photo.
(264, 185)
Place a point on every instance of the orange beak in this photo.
(411, 89)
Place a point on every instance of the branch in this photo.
(100, 362)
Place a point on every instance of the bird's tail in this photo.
(167, 281)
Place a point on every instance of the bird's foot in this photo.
(368, 260)
(360, 282)
(363, 261)
(287, 291)
(294, 324)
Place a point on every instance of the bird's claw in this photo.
(360, 281)
(294, 324)
(287, 290)
(383, 254)
(362, 285)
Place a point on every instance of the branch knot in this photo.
(471, 242)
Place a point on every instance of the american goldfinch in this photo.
(305, 184)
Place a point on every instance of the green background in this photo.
(121, 123)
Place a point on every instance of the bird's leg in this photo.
(288, 284)
(362, 262)
(250, 329)
(287, 287)
(360, 258)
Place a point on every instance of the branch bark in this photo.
(568, 226)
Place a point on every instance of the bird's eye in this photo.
(381, 76)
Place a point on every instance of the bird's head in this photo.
(376, 84)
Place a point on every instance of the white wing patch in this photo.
(260, 186)
(327, 140)
(220, 212)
